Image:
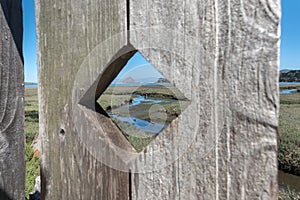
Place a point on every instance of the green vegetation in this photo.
(290, 86)
(31, 129)
(289, 133)
(287, 194)
(160, 92)
(32, 169)
(116, 100)
(30, 83)
(154, 91)
(289, 129)
(137, 138)
(107, 101)
(289, 76)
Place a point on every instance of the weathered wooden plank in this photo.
(68, 32)
(224, 57)
(12, 138)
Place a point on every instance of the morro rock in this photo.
(128, 80)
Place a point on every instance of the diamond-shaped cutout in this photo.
(141, 101)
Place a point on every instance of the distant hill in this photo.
(30, 83)
(284, 70)
(289, 75)
(162, 80)
(128, 80)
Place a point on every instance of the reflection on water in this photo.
(289, 91)
(31, 86)
(289, 83)
(141, 99)
(288, 180)
(142, 124)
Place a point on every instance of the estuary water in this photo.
(141, 99)
(141, 124)
(290, 181)
(31, 86)
(289, 83)
(288, 91)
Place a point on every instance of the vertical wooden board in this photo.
(12, 138)
(250, 83)
(178, 38)
(68, 31)
(224, 57)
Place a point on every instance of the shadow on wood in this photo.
(12, 137)
(3, 195)
(13, 20)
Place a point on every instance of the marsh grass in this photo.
(114, 101)
(288, 194)
(118, 98)
(32, 169)
(289, 86)
(137, 138)
(31, 129)
(290, 99)
(289, 133)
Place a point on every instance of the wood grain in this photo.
(68, 31)
(12, 138)
(223, 55)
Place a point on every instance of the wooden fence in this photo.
(223, 56)
(12, 138)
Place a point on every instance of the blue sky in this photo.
(290, 35)
(139, 69)
(29, 41)
(290, 41)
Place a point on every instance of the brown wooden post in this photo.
(222, 55)
(12, 138)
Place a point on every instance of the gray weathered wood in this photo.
(68, 31)
(12, 138)
(223, 55)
